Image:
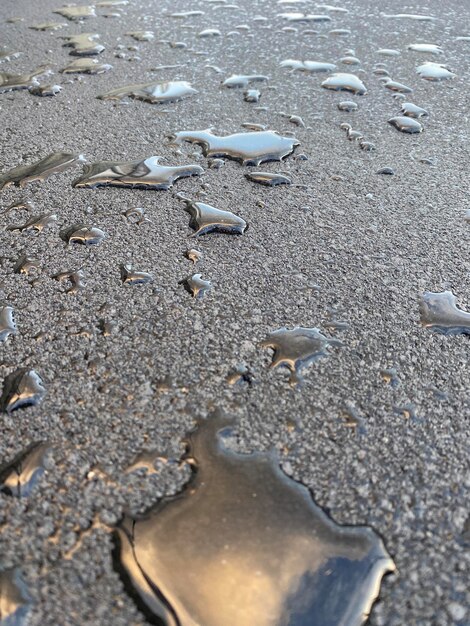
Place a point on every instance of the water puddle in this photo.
(242, 80)
(429, 48)
(348, 106)
(19, 477)
(406, 124)
(196, 285)
(130, 276)
(308, 66)
(296, 349)
(434, 72)
(412, 110)
(249, 148)
(395, 86)
(439, 312)
(86, 66)
(154, 92)
(21, 389)
(270, 179)
(48, 26)
(39, 171)
(74, 13)
(206, 219)
(140, 174)
(76, 278)
(45, 90)
(7, 323)
(266, 555)
(15, 600)
(17, 82)
(35, 224)
(26, 264)
(83, 234)
(193, 255)
(345, 82)
(84, 44)
(142, 35)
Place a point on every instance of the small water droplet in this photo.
(45, 90)
(240, 374)
(196, 285)
(134, 277)
(412, 110)
(308, 66)
(251, 95)
(345, 82)
(26, 264)
(142, 35)
(410, 16)
(406, 124)
(270, 179)
(387, 171)
(7, 322)
(388, 52)
(210, 32)
(243, 80)
(348, 105)
(75, 277)
(425, 47)
(193, 255)
(395, 86)
(82, 234)
(136, 215)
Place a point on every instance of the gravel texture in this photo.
(341, 242)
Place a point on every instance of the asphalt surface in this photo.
(341, 242)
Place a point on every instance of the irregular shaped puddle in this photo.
(406, 124)
(434, 72)
(345, 82)
(20, 476)
(142, 174)
(243, 544)
(83, 234)
(39, 171)
(269, 179)
(84, 44)
(249, 148)
(21, 388)
(206, 219)
(196, 285)
(298, 348)
(15, 601)
(7, 322)
(16, 82)
(155, 92)
(439, 312)
(86, 66)
(74, 13)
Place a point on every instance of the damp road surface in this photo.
(234, 313)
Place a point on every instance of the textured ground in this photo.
(342, 238)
